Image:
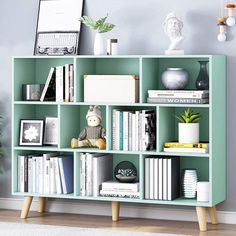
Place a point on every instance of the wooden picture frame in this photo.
(31, 132)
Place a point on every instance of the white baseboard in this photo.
(127, 210)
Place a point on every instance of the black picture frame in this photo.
(31, 132)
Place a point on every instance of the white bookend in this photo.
(117, 186)
(41, 174)
(102, 166)
(165, 181)
(125, 130)
(147, 178)
(50, 74)
(82, 174)
(30, 174)
(67, 83)
(57, 175)
(71, 83)
(156, 182)
(160, 177)
(59, 83)
(151, 177)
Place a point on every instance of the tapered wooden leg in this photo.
(42, 204)
(213, 215)
(26, 207)
(201, 215)
(115, 206)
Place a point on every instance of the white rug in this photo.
(24, 229)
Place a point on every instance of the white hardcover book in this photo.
(156, 182)
(53, 189)
(187, 150)
(71, 83)
(59, 83)
(102, 166)
(160, 178)
(57, 175)
(46, 185)
(47, 83)
(165, 181)
(67, 83)
(138, 130)
(151, 178)
(133, 133)
(117, 130)
(178, 93)
(34, 159)
(169, 172)
(30, 174)
(130, 131)
(41, 174)
(125, 130)
(82, 174)
(21, 164)
(147, 178)
(89, 174)
(114, 146)
(115, 193)
(117, 186)
(37, 176)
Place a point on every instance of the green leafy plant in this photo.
(99, 25)
(189, 116)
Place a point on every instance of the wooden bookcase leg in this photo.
(213, 215)
(201, 215)
(115, 206)
(26, 207)
(42, 204)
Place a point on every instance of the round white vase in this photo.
(98, 44)
(188, 132)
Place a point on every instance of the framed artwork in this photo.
(51, 131)
(31, 132)
(58, 27)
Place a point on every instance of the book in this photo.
(147, 178)
(160, 178)
(57, 176)
(193, 150)
(67, 83)
(173, 179)
(165, 176)
(178, 93)
(30, 174)
(125, 130)
(40, 167)
(82, 174)
(71, 82)
(117, 186)
(53, 189)
(102, 166)
(66, 166)
(179, 100)
(22, 173)
(47, 93)
(186, 145)
(89, 173)
(122, 194)
(60, 83)
(156, 183)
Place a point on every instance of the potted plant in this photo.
(189, 126)
(102, 27)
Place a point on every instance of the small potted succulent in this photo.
(101, 26)
(189, 126)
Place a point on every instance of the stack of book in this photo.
(162, 178)
(59, 85)
(95, 168)
(134, 130)
(117, 189)
(178, 96)
(186, 147)
(48, 173)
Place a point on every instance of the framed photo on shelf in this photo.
(51, 131)
(31, 132)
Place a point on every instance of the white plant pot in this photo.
(188, 132)
(98, 44)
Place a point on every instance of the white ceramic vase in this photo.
(98, 44)
(188, 132)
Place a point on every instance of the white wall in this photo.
(139, 30)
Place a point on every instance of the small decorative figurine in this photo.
(92, 135)
(173, 27)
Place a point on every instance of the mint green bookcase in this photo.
(210, 167)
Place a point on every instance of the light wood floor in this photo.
(127, 224)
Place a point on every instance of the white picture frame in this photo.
(31, 132)
(51, 131)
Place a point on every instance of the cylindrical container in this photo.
(189, 183)
(175, 78)
(188, 132)
(112, 46)
(32, 92)
(203, 189)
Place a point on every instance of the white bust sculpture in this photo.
(173, 27)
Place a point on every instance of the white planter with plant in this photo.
(189, 126)
(101, 27)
